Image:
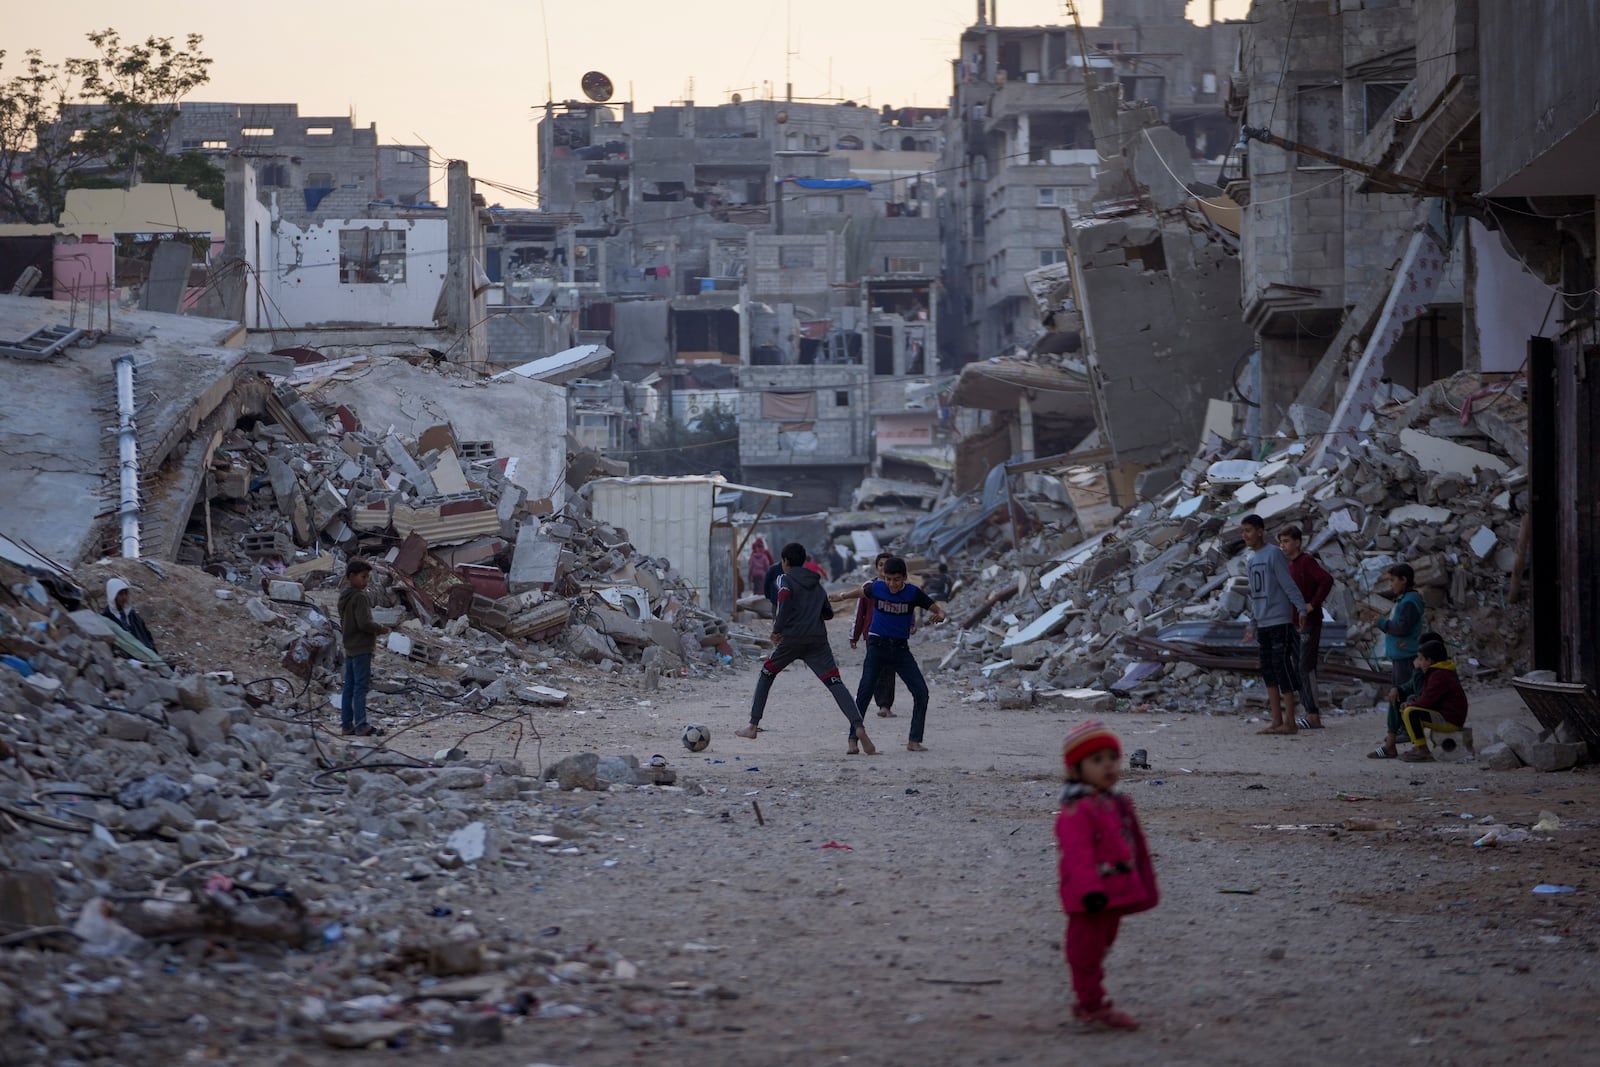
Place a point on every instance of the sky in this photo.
(469, 81)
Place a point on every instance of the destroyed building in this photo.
(1021, 147)
(321, 166)
(757, 255)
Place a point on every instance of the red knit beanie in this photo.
(1085, 740)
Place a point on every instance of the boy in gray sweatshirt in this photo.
(1277, 610)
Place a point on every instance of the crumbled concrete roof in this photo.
(56, 452)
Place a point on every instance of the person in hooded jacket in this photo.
(120, 610)
(1105, 867)
(800, 631)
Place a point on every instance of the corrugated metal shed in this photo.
(669, 518)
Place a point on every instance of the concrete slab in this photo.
(57, 455)
(1438, 456)
(526, 419)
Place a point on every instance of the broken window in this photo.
(218, 146)
(372, 257)
(405, 157)
(841, 398)
(272, 175)
(1377, 98)
(1047, 196)
(1319, 122)
(257, 131)
(1049, 256)
(319, 179)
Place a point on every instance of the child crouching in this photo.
(1105, 867)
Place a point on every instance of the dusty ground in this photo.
(934, 938)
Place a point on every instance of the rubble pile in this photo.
(467, 562)
(165, 833)
(1144, 608)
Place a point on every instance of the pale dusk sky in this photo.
(468, 78)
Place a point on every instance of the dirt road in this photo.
(933, 935)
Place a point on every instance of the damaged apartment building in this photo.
(1021, 147)
(1083, 254)
(1449, 230)
(776, 258)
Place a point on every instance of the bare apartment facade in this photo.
(782, 256)
(1021, 156)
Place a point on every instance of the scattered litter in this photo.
(1546, 889)
(835, 844)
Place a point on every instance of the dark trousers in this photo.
(818, 655)
(883, 695)
(1089, 939)
(353, 699)
(1403, 671)
(1310, 642)
(1279, 651)
(887, 655)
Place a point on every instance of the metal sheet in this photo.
(666, 518)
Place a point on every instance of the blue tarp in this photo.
(831, 183)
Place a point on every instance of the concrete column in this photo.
(463, 239)
(1025, 421)
(1024, 138)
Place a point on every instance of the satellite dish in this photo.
(597, 87)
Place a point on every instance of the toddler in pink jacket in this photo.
(1105, 867)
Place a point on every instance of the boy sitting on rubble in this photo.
(1441, 706)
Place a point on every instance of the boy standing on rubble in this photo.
(800, 631)
(360, 639)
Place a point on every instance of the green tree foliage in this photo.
(111, 113)
(675, 450)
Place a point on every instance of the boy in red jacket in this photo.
(1314, 583)
(1441, 705)
(1105, 867)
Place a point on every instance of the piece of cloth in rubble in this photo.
(128, 619)
(355, 620)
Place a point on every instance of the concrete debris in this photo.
(477, 560)
(1098, 604)
(262, 838)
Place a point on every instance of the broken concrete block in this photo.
(267, 544)
(1438, 456)
(535, 561)
(542, 695)
(1553, 755)
(1419, 513)
(576, 772)
(472, 842)
(278, 589)
(92, 626)
(27, 899)
(259, 611)
(1499, 757)
(1483, 542)
(41, 689)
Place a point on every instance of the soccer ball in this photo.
(696, 738)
